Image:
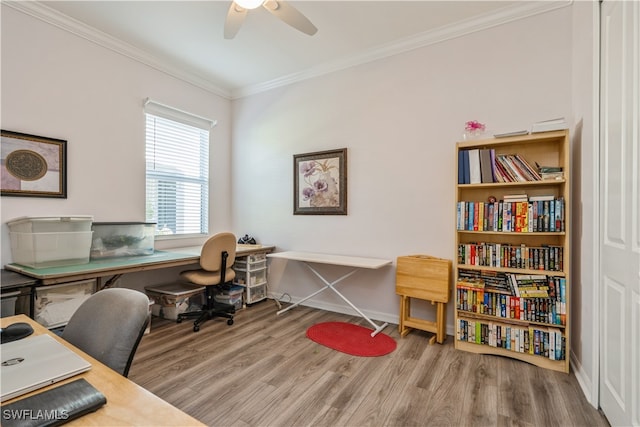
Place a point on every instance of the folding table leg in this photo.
(377, 328)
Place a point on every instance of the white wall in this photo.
(59, 85)
(399, 118)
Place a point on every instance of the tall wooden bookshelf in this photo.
(504, 244)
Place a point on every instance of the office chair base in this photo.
(196, 325)
(218, 310)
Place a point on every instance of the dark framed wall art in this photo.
(320, 183)
(33, 166)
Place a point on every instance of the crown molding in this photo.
(482, 22)
(478, 23)
(53, 17)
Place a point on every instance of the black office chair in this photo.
(216, 259)
(109, 326)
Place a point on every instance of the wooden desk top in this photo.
(127, 403)
(348, 261)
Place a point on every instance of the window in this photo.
(177, 170)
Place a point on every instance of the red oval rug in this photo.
(351, 339)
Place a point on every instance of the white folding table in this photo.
(356, 263)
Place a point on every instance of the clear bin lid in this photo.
(175, 289)
(60, 218)
(124, 223)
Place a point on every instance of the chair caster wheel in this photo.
(179, 320)
(196, 328)
(230, 322)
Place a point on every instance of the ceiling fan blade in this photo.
(235, 18)
(290, 15)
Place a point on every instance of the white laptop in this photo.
(34, 362)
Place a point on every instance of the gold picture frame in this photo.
(33, 166)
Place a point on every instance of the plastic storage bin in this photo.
(147, 330)
(16, 301)
(256, 257)
(50, 241)
(250, 278)
(256, 293)
(40, 250)
(232, 296)
(173, 299)
(242, 265)
(54, 304)
(116, 239)
(16, 292)
(8, 307)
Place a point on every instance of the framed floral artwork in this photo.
(320, 183)
(33, 166)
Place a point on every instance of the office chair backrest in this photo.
(109, 325)
(210, 258)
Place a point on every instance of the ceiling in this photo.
(185, 38)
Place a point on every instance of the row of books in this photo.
(477, 166)
(525, 216)
(490, 280)
(550, 173)
(541, 310)
(517, 285)
(549, 258)
(541, 341)
(538, 286)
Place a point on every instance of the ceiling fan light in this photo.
(249, 4)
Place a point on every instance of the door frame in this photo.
(597, 290)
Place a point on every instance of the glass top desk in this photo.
(97, 269)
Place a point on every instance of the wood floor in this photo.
(263, 371)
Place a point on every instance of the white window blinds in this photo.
(177, 170)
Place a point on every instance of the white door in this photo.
(620, 213)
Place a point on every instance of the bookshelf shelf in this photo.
(511, 270)
(533, 359)
(510, 248)
(515, 233)
(522, 141)
(507, 320)
(547, 182)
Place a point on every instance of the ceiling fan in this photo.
(287, 13)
